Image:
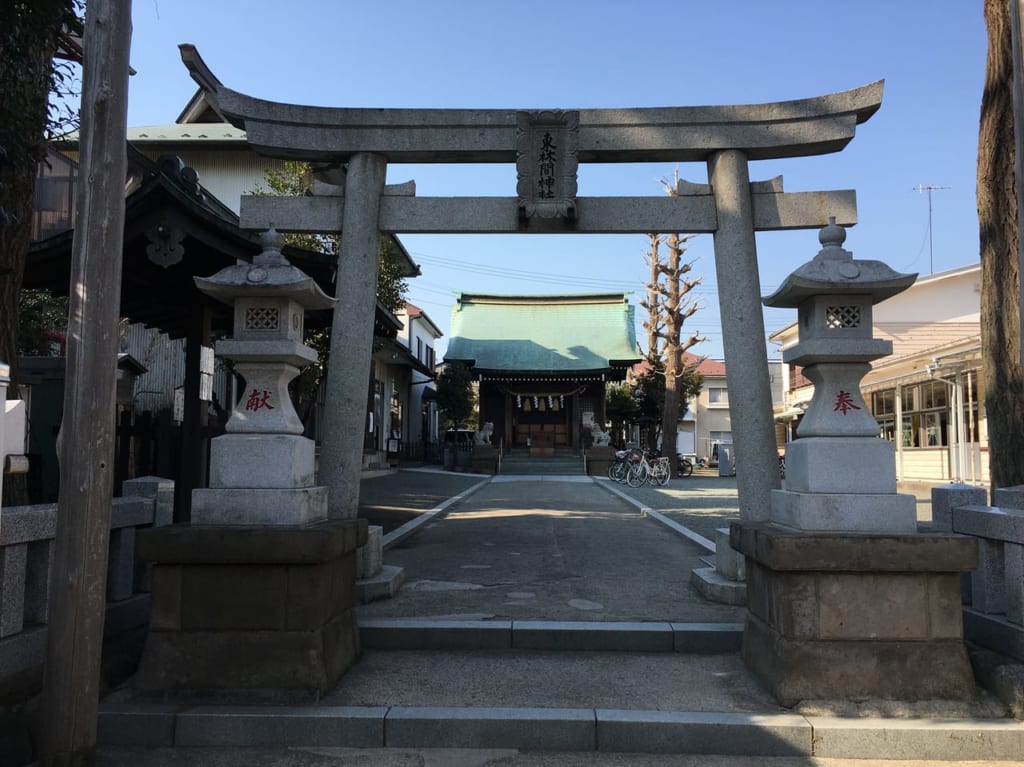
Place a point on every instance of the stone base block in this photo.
(370, 558)
(844, 512)
(261, 461)
(729, 563)
(812, 463)
(855, 615)
(250, 608)
(198, 661)
(794, 670)
(296, 506)
(713, 587)
(485, 459)
(383, 585)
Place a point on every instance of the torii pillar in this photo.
(341, 446)
(726, 138)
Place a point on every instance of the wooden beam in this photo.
(595, 215)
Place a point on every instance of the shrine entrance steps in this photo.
(563, 461)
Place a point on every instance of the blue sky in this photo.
(532, 55)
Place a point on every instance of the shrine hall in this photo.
(542, 361)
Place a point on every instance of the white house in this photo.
(420, 334)
(925, 396)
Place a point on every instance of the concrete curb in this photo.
(399, 534)
(573, 636)
(559, 729)
(658, 517)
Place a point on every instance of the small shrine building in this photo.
(542, 361)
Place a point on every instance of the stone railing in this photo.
(27, 536)
(994, 593)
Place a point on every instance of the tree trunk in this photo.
(673, 354)
(1000, 268)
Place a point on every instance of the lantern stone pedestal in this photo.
(258, 592)
(255, 609)
(855, 615)
(845, 598)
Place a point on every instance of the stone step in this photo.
(565, 465)
(572, 636)
(558, 729)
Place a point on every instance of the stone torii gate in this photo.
(352, 148)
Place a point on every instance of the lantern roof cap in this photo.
(269, 275)
(834, 271)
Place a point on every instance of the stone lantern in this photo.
(839, 475)
(262, 470)
(845, 597)
(258, 592)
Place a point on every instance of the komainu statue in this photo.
(483, 436)
(601, 438)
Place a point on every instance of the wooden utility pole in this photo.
(70, 697)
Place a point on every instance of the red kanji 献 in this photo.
(257, 401)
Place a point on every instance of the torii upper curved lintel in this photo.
(799, 128)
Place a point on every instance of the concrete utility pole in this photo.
(70, 697)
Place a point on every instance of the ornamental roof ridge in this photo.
(604, 297)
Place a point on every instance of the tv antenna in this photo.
(929, 188)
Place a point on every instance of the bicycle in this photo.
(654, 472)
(620, 466)
(685, 466)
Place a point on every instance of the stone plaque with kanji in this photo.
(546, 163)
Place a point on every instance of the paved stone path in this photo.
(548, 549)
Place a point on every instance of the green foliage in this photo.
(620, 407)
(295, 179)
(42, 318)
(306, 385)
(651, 387)
(391, 285)
(34, 88)
(455, 398)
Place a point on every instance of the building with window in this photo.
(419, 334)
(926, 395)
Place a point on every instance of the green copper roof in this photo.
(557, 334)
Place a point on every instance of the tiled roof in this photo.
(558, 333)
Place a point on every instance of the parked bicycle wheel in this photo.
(637, 475)
(618, 470)
(660, 472)
(685, 467)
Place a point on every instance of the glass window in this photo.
(718, 396)
(933, 395)
(883, 402)
(911, 431)
(908, 398)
